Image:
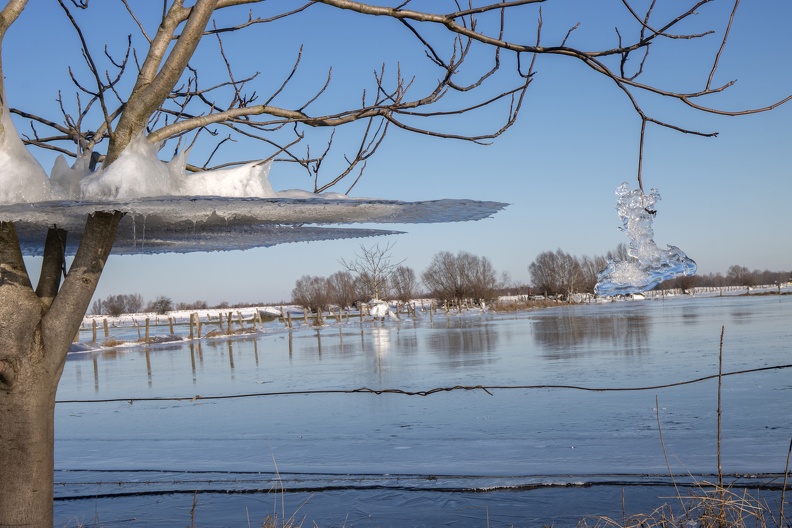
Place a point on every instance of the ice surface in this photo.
(648, 265)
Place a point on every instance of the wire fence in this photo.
(489, 389)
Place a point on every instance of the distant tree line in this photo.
(115, 305)
(557, 273)
(450, 278)
(737, 275)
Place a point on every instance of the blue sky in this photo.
(724, 201)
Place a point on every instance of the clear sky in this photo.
(725, 200)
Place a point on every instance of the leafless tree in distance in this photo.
(312, 293)
(455, 278)
(343, 290)
(403, 284)
(373, 267)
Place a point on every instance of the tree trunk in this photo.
(36, 329)
(27, 402)
(27, 413)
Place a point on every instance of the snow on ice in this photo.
(648, 265)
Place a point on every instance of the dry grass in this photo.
(521, 304)
(110, 343)
(711, 506)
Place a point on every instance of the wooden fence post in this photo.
(106, 329)
(147, 329)
(93, 340)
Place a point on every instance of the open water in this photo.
(550, 416)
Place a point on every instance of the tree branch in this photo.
(12, 266)
(53, 265)
(74, 297)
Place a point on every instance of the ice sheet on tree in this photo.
(247, 222)
(648, 265)
(168, 210)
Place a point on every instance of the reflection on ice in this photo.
(578, 333)
(648, 265)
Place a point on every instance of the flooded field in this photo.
(521, 419)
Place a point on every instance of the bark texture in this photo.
(36, 329)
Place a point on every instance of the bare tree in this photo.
(589, 270)
(311, 292)
(556, 273)
(118, 304)
(685, 282)
(153, 87)
(161, 305)
(456, 278)
(403, 284)
(373, 267)
(740, 276)
(443, 278)
(342, 289)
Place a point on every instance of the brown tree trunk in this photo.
(27, 412)
(36, 329)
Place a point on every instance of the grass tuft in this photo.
(712, 506)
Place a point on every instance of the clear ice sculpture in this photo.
(647, 265)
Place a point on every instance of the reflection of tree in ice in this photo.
(648, 265)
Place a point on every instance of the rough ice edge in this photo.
(648, 265)
(224, 209)
(186, 224)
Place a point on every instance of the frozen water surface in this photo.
(515, 457)
(648, 265)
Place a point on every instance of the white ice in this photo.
(648, 265)
(167, 209)
(22, 179)
(137, 173)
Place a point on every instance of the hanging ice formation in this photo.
(647, 265)
(215, 210)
